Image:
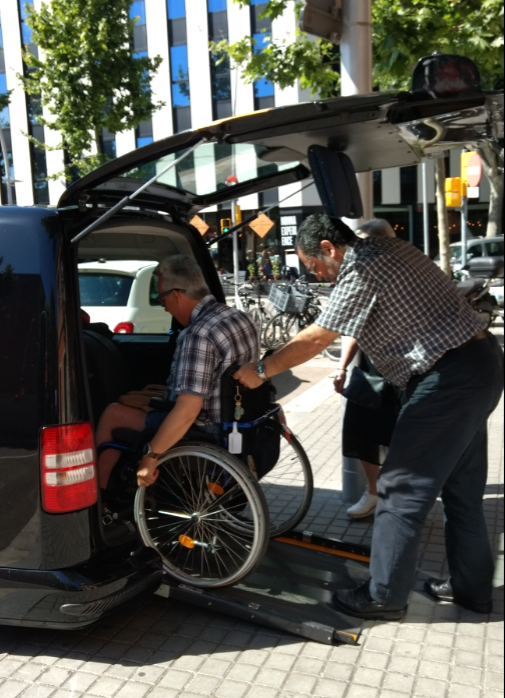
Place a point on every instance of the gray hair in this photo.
(376, 228)
(182, 271)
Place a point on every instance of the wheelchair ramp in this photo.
(291, 590)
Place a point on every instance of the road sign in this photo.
(199, 224)
(471, 168)
(262, 225)
(322, 18)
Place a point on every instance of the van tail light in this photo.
(124, 328)
(86, 317)
(69, 481)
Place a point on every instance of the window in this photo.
(5, 126)
(264, 91)
(408, 184)
(179, 68)
(138, 11)
(220, 71)
(494, 248)
(109, 143)
(153, 291)
(38, 155)
(107, 290)
(144, 133)
(474, 251)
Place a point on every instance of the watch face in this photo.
(147, 449)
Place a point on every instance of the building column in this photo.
(157, 42)
(197, 22)
(18, 114)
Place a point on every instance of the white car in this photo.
(123, 295)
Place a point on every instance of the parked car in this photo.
(61, 566)
(479, 249)
(123, 295)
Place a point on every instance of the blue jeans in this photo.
(154, 421)
(439, 445)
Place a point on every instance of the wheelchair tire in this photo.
(288, 488)
(186, 516)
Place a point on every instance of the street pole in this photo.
(356, 78)
(426, 219)
(356, 70)
(236, 277)
(464, 231)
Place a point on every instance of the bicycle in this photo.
(298, 307)
(252, 304)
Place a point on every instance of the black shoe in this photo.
(359, 604)
(441, 590)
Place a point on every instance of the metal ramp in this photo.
(291, 589)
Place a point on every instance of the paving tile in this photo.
(105, 686)
(133, 690)
(231, 689)
(430, 688)
(326, 688)
(300, 683)
(363, 692)
(368, 677)
(12, 689)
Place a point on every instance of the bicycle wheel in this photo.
(279, 330)
(186, 514)
(257, 317)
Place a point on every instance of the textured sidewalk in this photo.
(164, 649)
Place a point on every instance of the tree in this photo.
(88, 77)
(403, 32)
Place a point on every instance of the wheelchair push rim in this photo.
(185, 516)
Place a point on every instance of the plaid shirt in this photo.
(404, 312)
(217, 338)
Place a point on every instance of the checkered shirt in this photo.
(404, 312)
(217, 338)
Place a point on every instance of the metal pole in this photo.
(5, 155)
(464, 231)
(356, 78)
(236, 277)
(426, 217)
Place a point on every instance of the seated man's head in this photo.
(181, 286)
(375, 228)
(322, 243)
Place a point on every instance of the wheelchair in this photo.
(210, 514)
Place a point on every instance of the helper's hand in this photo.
(148, 472)
(339, 381)
(248, 377)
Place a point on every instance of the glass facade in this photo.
(219, 71)
(179, 67)
(264, 91)
(144, 131)
(5, 124)
(34, 109)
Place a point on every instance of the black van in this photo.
(60, 565)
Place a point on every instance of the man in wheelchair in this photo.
(214, 338)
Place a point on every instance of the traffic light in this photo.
(225, 225)
(322, 18)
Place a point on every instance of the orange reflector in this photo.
(187, 542)
(215, 488)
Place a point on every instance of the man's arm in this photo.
(308, 343)
(347, 354)
(175, 426)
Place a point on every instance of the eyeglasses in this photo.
(165, 294)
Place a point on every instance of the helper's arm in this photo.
(349, 351)
(307, 344)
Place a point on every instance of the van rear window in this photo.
(106, 290)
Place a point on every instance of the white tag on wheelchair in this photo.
(235, 441)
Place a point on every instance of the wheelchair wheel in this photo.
(186, 516)
(288, 488)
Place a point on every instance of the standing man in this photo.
(423, 336)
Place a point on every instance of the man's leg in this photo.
(469, 551)
(114, 417)
(440, 425)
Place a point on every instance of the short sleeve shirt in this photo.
(404, 312)
(217, 338)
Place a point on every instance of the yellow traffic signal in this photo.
(454, 190)
(225, 225)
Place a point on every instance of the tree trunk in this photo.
(492, 163)
(443, 219)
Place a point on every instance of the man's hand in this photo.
(248, 377)
(148, 472)
(339, 381)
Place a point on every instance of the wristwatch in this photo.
(147, 451)
(260, 370)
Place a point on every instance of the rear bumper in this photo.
(68, 599)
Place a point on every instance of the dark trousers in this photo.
(439, 445)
